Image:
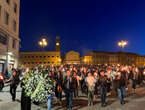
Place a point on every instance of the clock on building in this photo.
(57, 44)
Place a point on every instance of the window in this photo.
(15, 7)
(32, 56)
(52, 56)
(48, 56)
(14, 25)
(40, 56)
(8, 1)
(7, 18)
(48, 62)
(14, 43)
(3, 39)
(44, 56)
(0, 11)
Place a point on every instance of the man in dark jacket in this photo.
(68, 89)
(103, 88)
(14, 83)
(121, 90)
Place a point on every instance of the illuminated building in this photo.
(45, 58)
(87, 60)
(32, 59)
(123, 58)
(72, 57)
(140, 60)
(9, 33)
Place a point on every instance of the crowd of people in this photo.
(91, 80)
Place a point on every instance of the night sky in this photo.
(83, 24)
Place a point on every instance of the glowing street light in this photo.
(43, 43)
(122, 44)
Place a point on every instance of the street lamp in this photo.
(122, 44)
(43, 43)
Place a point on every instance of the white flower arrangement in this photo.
(38, 86)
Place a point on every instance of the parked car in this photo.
(1, 81)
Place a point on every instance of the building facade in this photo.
(86, 60)
(72, 57)
(125, 58)
(140, 60)
(32, 59)
(9, 33)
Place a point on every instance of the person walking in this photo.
(68, 89)
(120, 82)
(14, 81)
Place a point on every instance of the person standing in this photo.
(58, 87)
(103, 88)
(14, 81)
(68, 89)
(90, 81)
(134, 79)
(120, 82)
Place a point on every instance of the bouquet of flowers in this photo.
(38, 86)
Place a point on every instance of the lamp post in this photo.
(122, 44)
(43, 43)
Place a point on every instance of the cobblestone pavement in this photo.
(133, 102)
